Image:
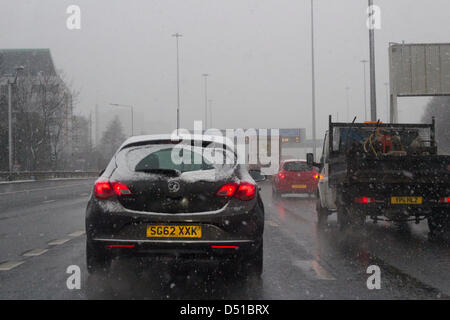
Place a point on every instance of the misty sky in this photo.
(257, 52)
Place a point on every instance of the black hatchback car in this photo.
(164, 197)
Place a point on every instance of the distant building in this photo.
(38, 63)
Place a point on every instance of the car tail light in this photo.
(103, 190)
(106, 189)
(445, 200)
(364, 200)
(318, 176)
(225, 247)
(227, 190)
(246, 191)
(121, 189)
(281, 175)
(120, 246)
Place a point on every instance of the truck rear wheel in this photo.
(350, 217)
(322, 213)
(439, 225)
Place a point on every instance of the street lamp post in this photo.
(347, 93)
(210, 113)
(10, 139)
(205, 75)
(387, 101)
(365, 89)
(132, 116)
(373, 92)
(177, 36)
(313, 81)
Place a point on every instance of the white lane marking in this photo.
(76, 234)
(34, 252)
(58, 242)
(8, 265)
(313, 269)
(48, 201)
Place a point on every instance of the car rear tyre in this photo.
(97, 259)
(252, 266)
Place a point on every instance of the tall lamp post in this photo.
(205, 76)
(10, 139)
(347, 94)
(177, 36)
(386, 84)
(313, 81)
(132, 116)
(210, 113)
(365, 89)
(373, 91)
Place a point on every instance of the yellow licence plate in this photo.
(406, 200)
(299, 186)
(156, 231)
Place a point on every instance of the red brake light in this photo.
(106, 189)
(246, 191)
(318, 176)
(225, 247)
(227, 190)
(364, 200)
(103, 190)
(121, 189)
(281, 175)
(445, 200)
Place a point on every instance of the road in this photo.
(42, 233)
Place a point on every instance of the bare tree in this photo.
(111, 140)
(43, 108)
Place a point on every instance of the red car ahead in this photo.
(295, 176)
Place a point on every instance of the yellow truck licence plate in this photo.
(406, 200)
(299, 186)
(158, 231)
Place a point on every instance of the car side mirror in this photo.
(310, 161)
(257, 175)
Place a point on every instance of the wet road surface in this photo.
(42, 233)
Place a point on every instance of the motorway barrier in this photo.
(46, 175)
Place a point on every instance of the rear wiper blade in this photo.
(169, 172)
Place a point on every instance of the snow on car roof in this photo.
(292, 160)
(158, 137)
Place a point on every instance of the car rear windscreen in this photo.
(297, 166)
(173, 158)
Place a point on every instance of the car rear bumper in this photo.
(181, 249)
(232, 230)
(290, 189)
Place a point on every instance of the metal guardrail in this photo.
(46, 175)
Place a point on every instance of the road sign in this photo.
(418, 70)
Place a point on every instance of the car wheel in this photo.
(252, 266)
(322, 213)
(97, 259)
